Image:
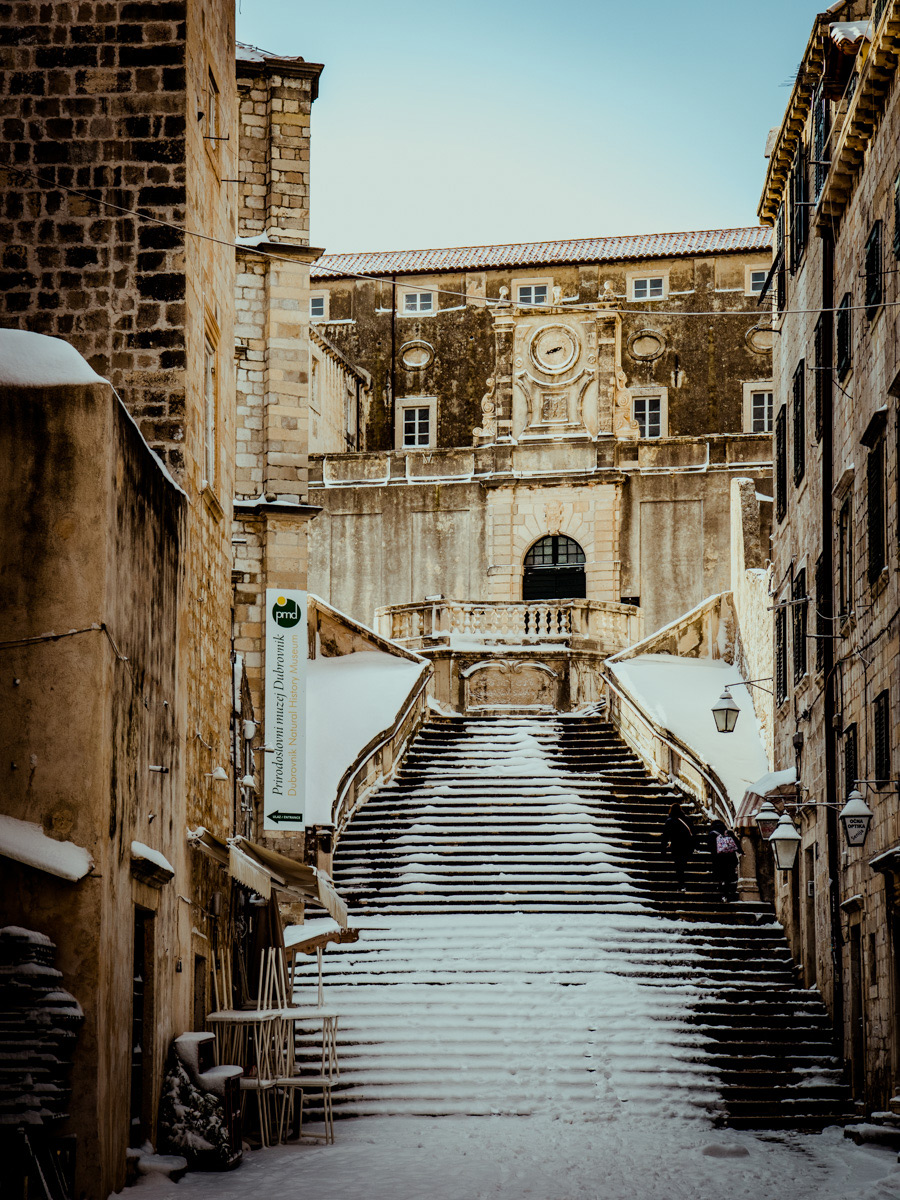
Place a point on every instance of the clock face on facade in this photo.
(554, 348)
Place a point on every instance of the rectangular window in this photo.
(757, 280)
(819, 374)
(844, 349)
(851, 769)
(650, 288)
(781, 464)
(418, 302)
(648, 414)
(845, 559)
(781, 676)
(823, 610)
(209, 395)
(821, 145)
(761, 412)
(798, 623)
(534, 293)
(874, 275)
(416, 426)
(799, 421)
(897, 217)
(882, 723)
(317, 307)
(875, 514)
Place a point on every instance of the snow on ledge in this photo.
(27, 843)
(35, 360)
(140, 850)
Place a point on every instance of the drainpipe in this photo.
(393, 331)
(830, 705)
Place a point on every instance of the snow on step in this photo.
(523, 948)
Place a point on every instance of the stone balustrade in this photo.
(462, 624)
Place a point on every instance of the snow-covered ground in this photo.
(571, 1157)
(680, 693)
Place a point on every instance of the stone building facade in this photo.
(832, 193)
(118, 134)
(600, 394)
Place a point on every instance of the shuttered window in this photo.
(897, 217)
(819, 374)
(821, 147)
(823, 609)
(874, 276)
(781, 676)
(875, 514)
(799, 421)
(845, 555)
(844, 349)
(851, 771)
(780, 464)
(882, 723)
(799, 192)
(798, 623)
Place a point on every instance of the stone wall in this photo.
(451, 353)
(95, 537)
(847, 939)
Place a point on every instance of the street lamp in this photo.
(725, 713)
(767, 819)
(785, 842)
(856, 817)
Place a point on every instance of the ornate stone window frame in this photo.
(663, 394)
(405, 402)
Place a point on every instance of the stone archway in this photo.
(554, 570)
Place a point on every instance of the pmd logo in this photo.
(285, 613)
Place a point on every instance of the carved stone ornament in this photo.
(554, 348)
(487, 431)
(511, 684)
(625, 427)
(646, 345)
(554, 515)
(417, 355)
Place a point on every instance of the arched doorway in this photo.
(554, 570)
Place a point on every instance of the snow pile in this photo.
(139, 850)
(679, 694)
(35, 360)
(27, 843)
(349, 701)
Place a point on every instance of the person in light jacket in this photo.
(678, 840)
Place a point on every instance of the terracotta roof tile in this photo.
(533, 254)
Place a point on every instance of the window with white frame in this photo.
(416, 423)
(650, 411)
(755, 280)
(533, 293)
(318, 306)
(758, 407)
(418, 302)
(648, 287)
(210, 385)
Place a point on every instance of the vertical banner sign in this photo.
(284, 791)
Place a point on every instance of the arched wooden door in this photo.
(554, 570)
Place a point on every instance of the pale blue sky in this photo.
(479, 121)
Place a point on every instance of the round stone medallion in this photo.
(417, 355)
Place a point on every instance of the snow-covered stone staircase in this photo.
(524, 947)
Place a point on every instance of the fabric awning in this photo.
(850, 35)
(262, 869)
(773, 784)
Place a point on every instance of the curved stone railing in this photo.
(664, 754)
(567, 622)
(377, 761)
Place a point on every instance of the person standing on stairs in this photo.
(678, 840)
(724, 852)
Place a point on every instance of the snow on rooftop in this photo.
(26, 842)
(349, 700)
(36, 360)
(679, 694)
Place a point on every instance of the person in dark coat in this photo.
(724, 852)
(678, 840)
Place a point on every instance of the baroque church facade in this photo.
(544, 424)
